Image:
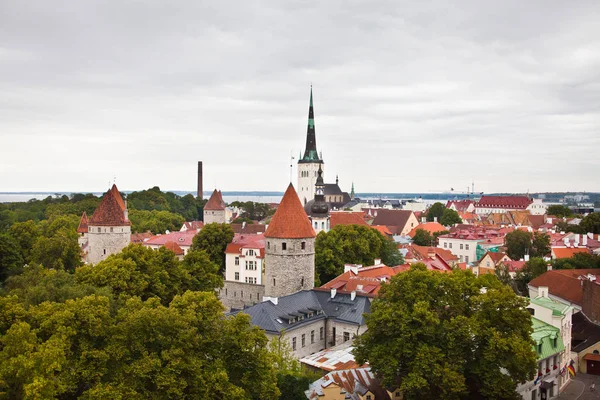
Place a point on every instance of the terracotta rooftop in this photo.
(215, 202)
(247, 241)
(382, 229)
(567, 252)
(174, 247)
(111, 211)
(347, 218)
(140, 237)
(181, 238)
(290, 221)
(510, 202)
(495, 256)
(564, 283)
(431, 227)
(422, 252)
(514, 266)
(460, 205)
(395, 220)
(83, 224)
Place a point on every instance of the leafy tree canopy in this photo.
(441, 336)
(558, 210)
(213, 239)
(423, 238)
(352, 244)
(435, 211)
(591, 223)
(155, 221)
(254, 211)
(11, 261)
(450, 217)
(519, 243)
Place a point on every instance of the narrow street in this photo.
(579, 388)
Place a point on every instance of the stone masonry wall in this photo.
(211, 216)
(239, 294)
(291, 270)
(104, 243)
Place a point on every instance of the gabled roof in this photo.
(140, 237)
(567, 252)
(290, 221)
(83, 224)
(495, 256)
(246, 241)
(509, 202)
(191, 225)
(392, 218)
(353, 384)
(181, 238)
(460, 205)
(110, 211)
(347, 218)
(564, 283)
(215, 203)
(174, 247)
(431, 227)
(422, 252)
(382, 229)
(514, 266)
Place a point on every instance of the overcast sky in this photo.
(409, 96)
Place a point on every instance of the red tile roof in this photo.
(111, 211)
(431, 227)
(564, 283)
(460, 205)
(290, 221)
(140, 237)
(83, 224)
(191, 225)
(496, 257)
(509, 202)
(174, 247)
(382, 229)
(567, 252)
(422, 252)
(247, 241)
(215, 202)
(181, 238)
(248, 228)
(514, 266)
(347, 218)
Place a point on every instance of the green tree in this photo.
(423, 238)
(540, 245)
(591, 223)
(213, 239)
(441, 336)
(435, 211)
(11, 261)
(559, 210)
(532, 269)
(578, 261)
(351, 244)
(241, 220)
(518, 243)
(450, 217)
(59, 251)
(26, 234)
(155, 221)
(140, 271)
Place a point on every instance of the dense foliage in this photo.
(423, 238)
(253, 211)
(589, 224)
(213, 239)
(559, 210)
(435, 211)
(351, 244)
(450, 217)
(444, 336)
(518, 243)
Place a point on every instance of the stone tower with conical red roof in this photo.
(215, 210)
(289, 249)
(109, 229)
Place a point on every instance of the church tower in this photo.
(289, 249)
(310, 162)
(319, 209)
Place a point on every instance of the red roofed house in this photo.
(290, 250)
(431, 227)
(109, 229)
(499, 204)
(463, 242)
(563, 285)
(82, 231)
(420, 253)
(465, 206)
(215, 210)
(192, 226)
(365, 281)
(346, 218)
(489, 262)
(174, 247)
(399, 222)
(182, 239)
(567, 252)
(244, 259)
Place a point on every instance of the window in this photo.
(268, 245)
(273, 281)
(302, 282)
(284, 246)
(445, 244)
(99, 230)
(449, 245)
(237, 276)
(242, 294)
(312, 337)
(460, 257)
(237, 261)
(369, 397)
(321, 333)
(398, 394)
(303, 340)
(250, 253)
(111, 229)
(104, 251)
(467, 259)
(303, 245)
(250, 279)
(294, 344)
(346, 336)
(461, 246)
(466, 247)
(316, 225)
(322, 225)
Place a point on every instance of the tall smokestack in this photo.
(200, 180)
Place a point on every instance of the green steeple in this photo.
(310, 153)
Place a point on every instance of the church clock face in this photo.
(319, 191)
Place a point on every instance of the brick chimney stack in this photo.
(200, 190)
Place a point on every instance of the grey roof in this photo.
(275, 318)
(584, 333)
(332, 188)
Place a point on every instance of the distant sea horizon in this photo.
(231, 196)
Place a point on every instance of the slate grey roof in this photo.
(275, 318)
(332, 189)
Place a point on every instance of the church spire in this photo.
(310, 153)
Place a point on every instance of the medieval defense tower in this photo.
(289, 249)
(310, 162)
(109, 229)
